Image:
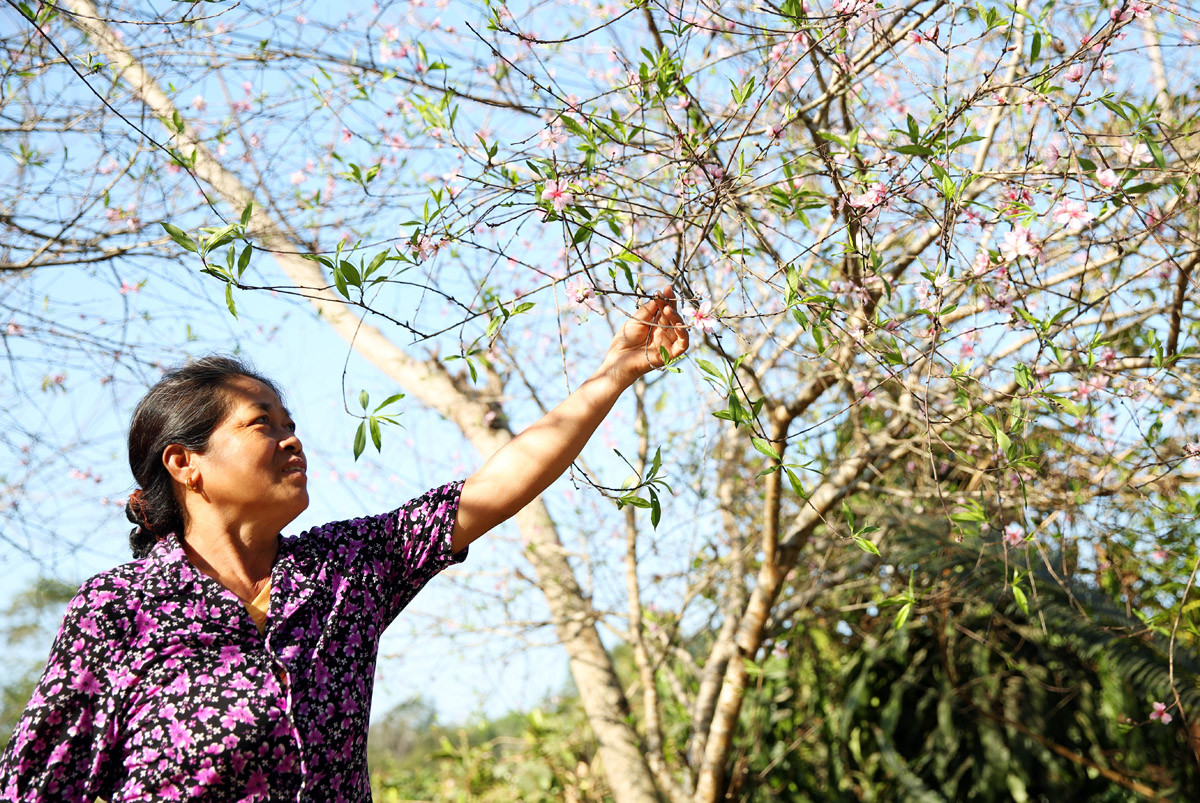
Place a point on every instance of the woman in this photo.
(228, 663)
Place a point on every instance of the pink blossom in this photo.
(1071, 212)
(127, 288)
(701, 317)
(1050, 156)
(1134, 152)
(1074, 73)
(982, 263)
(199, 103)
(1014, 535)
(551, 138)
(1159, 554)
(852, 6)
(1108, 70)
(919, 37)
(298, 177)
(1092, 385)
(1160, 713)
(1129, 11)
(872, 197)
(966, 348)
(1018, 243)
(14, 329)
(581, 294)
(1107, 179)
(556, 193)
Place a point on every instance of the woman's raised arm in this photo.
(530, 462)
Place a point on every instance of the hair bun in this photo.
(137, 510)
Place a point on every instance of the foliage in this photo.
(972, 699)
(543, 755)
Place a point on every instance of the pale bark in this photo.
(595, 676)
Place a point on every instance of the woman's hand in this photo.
(638, 347)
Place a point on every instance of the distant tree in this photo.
(31, 618)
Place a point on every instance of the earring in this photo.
(191, 483)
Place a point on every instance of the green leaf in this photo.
(914, 150)
(376, 435)
(794, 481)
(967, 140)
(181, 238)
(246, 213)
(376, 262)
(1024, 376)
(1022, 600)
(655, 509)
(573, 126)
(1036, 48)
(395, 397)
(765, 447)
(229, 300)
(866, 545)
(363, 399)
(244, 259)
(360, 440)
(902, 616)
(1157, 153)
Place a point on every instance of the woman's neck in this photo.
(238, 557)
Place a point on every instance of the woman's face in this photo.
(253, 469)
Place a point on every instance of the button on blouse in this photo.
(160, 687)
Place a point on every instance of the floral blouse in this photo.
(159, 686)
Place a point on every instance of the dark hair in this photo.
(184, 407)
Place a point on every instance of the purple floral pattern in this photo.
(159, 686)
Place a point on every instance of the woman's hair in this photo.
(184, 407)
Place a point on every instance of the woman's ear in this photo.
(178, 462)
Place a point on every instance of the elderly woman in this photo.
(228, 663)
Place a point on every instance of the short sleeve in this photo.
(404, 549)
(61, 747)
